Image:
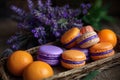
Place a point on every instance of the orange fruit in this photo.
(38, 70)
(107, 35)
(18, 61)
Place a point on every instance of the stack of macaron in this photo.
(80, 39)
(53, 55)
(73, 59)
(88, 38)
(81, 45)
(89, 43)
(101, 50)
(50, 54)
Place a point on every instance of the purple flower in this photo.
(85, 7)
(45, 23)
(40, 4)
(30, 5)
(40, 41)
(48, 3)
(15, 46)
(57, 34)
(39, 32)
(19, 11)
(11, 39)
(20, 25)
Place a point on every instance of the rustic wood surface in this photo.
(8, 27)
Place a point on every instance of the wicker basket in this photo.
(73, 74)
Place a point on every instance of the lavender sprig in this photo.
(19, 11)
(30, 5)
(48, 3)
(46, 23)
(85, 7)
(40, 4)
(39, 32)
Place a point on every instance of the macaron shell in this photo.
(71, 45)
(84, 50)
(101, 47)
(71, 66)
(103, 56)
(73, 55)
(70, 35)
(86, 29)
(50, 50)
(95, 39)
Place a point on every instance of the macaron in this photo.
(84, 50)
(101, 50)
(73, 59)
(88, 39)
(87, 28)
(50, 54)
(68, 39)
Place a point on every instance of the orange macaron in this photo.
(68, 39)
(73, 59)
(101, 50)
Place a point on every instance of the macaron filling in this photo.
(48, 57)
(88, 39)
(101, 53)
(73, 62)
(72, 40)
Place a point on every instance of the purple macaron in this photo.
(85, 50)
(49, 54)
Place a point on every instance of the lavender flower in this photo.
(40, 4)
(39, 32)
(56, 34)
(15, 46)
(85, 7)
(30, 5)
(48, 3)
(19, 11)
(45, 23)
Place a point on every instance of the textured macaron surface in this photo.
(73, 55)
(73, 59)
(101, 47)
(50, 54)
(88, 39)
(101, 50)
(86, 29)
(50, 50)
(84, 50)
(70, 35)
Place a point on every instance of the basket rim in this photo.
(85, 67)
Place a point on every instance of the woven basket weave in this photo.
(73, 74)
